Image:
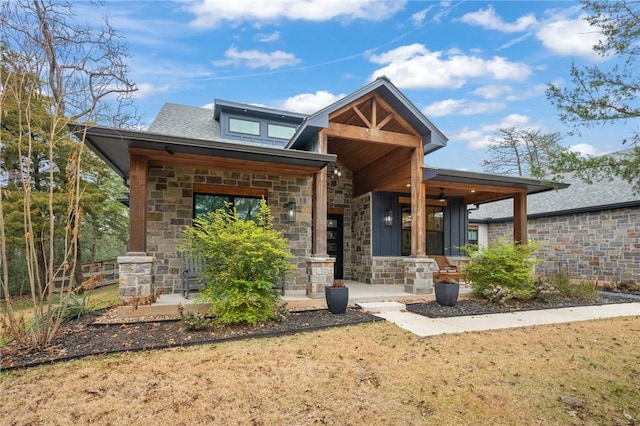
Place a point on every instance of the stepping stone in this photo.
(382, 306)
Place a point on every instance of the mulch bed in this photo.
(91, 336)
(476, 306)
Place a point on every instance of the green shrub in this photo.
(504, 265)
(241, 260)
(564, 288)
(193, 321)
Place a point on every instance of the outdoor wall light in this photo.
(441, 196)
(388, 218)
(291, 211)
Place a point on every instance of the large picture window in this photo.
(246, 207)
(435, 230)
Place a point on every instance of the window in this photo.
(280, 132)
(246, 207)
(473, 235)
(435, 230)
(244, 126)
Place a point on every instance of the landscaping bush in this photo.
(241, 260)
(501, 271)
(559, 286)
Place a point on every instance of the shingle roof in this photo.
(580, 196)
(186, 121)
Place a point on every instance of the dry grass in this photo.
(373, 374)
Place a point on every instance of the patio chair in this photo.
(446, 270)
(190, 277)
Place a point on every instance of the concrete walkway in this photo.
(423, 326)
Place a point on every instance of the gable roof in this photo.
(432, 138)
(578, 198)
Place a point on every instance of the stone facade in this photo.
(339, 195)
(170, 209)
(387, 270)
(418, 274)
(135, 278)
(602, 246)
(319, 275)
(361, 257)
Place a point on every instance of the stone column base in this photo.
(319, 275)
(136, 277)
(418, 274)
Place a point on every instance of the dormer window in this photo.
(247, 127)
(280, 132)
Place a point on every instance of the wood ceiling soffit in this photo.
(391, 169)
(182, 159)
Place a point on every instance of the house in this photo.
(590, 231)
(347, 185)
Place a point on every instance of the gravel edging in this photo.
(84, 338)
(475, 306)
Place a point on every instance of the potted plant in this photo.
(337, 296)
(447, 289)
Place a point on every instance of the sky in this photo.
(472, 67)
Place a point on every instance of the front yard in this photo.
(365, 374)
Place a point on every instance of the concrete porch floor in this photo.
(167, 304)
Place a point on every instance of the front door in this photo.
(335, 243)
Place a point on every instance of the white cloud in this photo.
(481, 138)
(418, 17)
(487, 18)
(492, 91)
(268, 38)
(570, 38)
(415, 67)
(211, 13)
(461, 107)
(257, 59)
(307, 103)
(586, 149)
(148, 89)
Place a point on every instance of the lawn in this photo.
(367, 374)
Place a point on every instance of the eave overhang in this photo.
(112, 145)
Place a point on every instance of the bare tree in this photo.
(521, 152)
(54, 71)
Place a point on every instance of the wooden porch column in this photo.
(418, 237)
(520, 218)
(320, 205)
(138, 204)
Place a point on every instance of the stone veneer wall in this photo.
(387, 270)
(603, 246)
(361, 258)
(170, 209)
(339, 195)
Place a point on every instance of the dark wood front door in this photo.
(335, 243)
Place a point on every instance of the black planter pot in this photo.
(337, 299)
(447, 293)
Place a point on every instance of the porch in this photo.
(167, 304)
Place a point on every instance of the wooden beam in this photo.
(205, 188)
(350, 106)
(207, 162)
(520, 218)
(362, 117)
(374, 113)
(344, 131)
(319, 244)
(478, 187)
(418, 226)
(404, 123)
(390, 169)
(384, 121)
(139, 169)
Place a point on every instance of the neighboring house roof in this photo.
(432, 138)
(579, 197)
(186, 121)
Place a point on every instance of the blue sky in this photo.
(471, 67)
